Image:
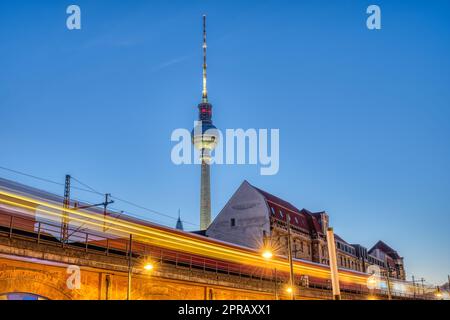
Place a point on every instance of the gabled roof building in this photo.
(394, 263)
(253, 218)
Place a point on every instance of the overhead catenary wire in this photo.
(43, 179)
(31, 176)
(94, 191)
(151, 210)
(134, 205)
(87, 186)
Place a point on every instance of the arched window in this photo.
(21, 296)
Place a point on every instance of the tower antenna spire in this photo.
(205, 90)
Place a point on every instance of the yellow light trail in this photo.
(174, 240)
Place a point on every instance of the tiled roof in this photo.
(386, 249)
(337, 237)
(302, 219)
(270, 197)
(313, 219)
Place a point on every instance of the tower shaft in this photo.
(205, 196)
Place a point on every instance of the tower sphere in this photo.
(205, 136)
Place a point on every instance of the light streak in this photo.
(175, 240)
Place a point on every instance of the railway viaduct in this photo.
(42, 270)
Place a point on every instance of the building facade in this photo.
(255, 218)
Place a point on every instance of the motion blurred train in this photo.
(32, 214)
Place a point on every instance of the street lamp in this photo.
(291, 264)
(267, 254)
(388, 283)
(148, 266)
(438, 293)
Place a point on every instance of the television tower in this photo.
(205, 138)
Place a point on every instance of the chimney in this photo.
(324, 221)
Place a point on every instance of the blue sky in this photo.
(363, 115)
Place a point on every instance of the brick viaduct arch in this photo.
(38, 282)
